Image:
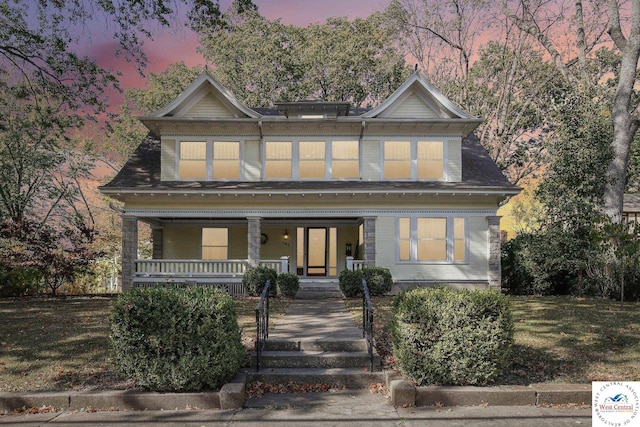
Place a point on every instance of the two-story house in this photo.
(312, 187)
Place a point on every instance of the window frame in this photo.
(450, 239)
(413, 144)
(296, 163)
(209, 170)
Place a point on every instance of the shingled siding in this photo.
(413, 107)
(168, 160)
(454, 160)
(209, 106)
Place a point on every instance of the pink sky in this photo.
(173, 45)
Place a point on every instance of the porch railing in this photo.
(262, 322)
(367, 321)
(188, 268)
(354, 264)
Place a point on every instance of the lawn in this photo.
(62, 344)
(557, 339)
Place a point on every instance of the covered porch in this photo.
(218, 251)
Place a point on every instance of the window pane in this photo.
(397, 150)
(404, 228)
(430, 159)
(459, 239)
(213, 252)
(193, 150)
(432, 228)
(311, 169)
(345, 169)
(192, 169)
(397, 169)
(432, 250)
(226, 169)
(278, 150)
(405, 250)
(312, 150)
(344, 150)
(193, 160)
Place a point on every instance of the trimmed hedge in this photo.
(177, 340)
(448, 337)
(288, 284)
(255, 278)
(378, 279)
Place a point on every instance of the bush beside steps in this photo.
(448, 337)
(176, 340)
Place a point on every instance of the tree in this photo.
(263, 61)
(487, 66)
(587, 27)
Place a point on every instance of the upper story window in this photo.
(413, 160)
(432, 239)
(202, 160)
(277, 159)
(311, 159)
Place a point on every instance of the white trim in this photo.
(413, 239)
(299, 213)
(413, 141)
(209, 141)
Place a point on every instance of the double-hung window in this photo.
(204, 160)
(413, 160)
(309, 159)
(215, 243)
(432, 239)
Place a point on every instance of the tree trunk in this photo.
(623, 114)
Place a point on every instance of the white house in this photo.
(312, 187)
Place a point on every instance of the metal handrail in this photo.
(262, 322)
(367, 321)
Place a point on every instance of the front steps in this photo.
(317, 342)
(318, 289)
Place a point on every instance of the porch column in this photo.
(253, 240)
(369, 241)
(156, 240)
(494, 247)
(129, 250)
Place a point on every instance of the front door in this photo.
(316, 251)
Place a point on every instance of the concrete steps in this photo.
(318, 289)
(317, 342)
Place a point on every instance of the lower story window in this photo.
(215, 243)
(432, 239)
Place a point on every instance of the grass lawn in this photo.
(62, 344)
(557, 339)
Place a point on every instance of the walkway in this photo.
(316, 319)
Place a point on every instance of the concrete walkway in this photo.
(344, 408)
(316, 319)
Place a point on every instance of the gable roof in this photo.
(203, 87)
(418, 90)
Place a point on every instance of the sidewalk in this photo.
(352, 408)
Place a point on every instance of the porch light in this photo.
(286, 235)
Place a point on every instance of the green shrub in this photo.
(288, 284)
(255, 278)
(443, 336)
(350, 283)
(171, 339)
(378, 279)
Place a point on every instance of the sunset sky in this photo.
(179, 43)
